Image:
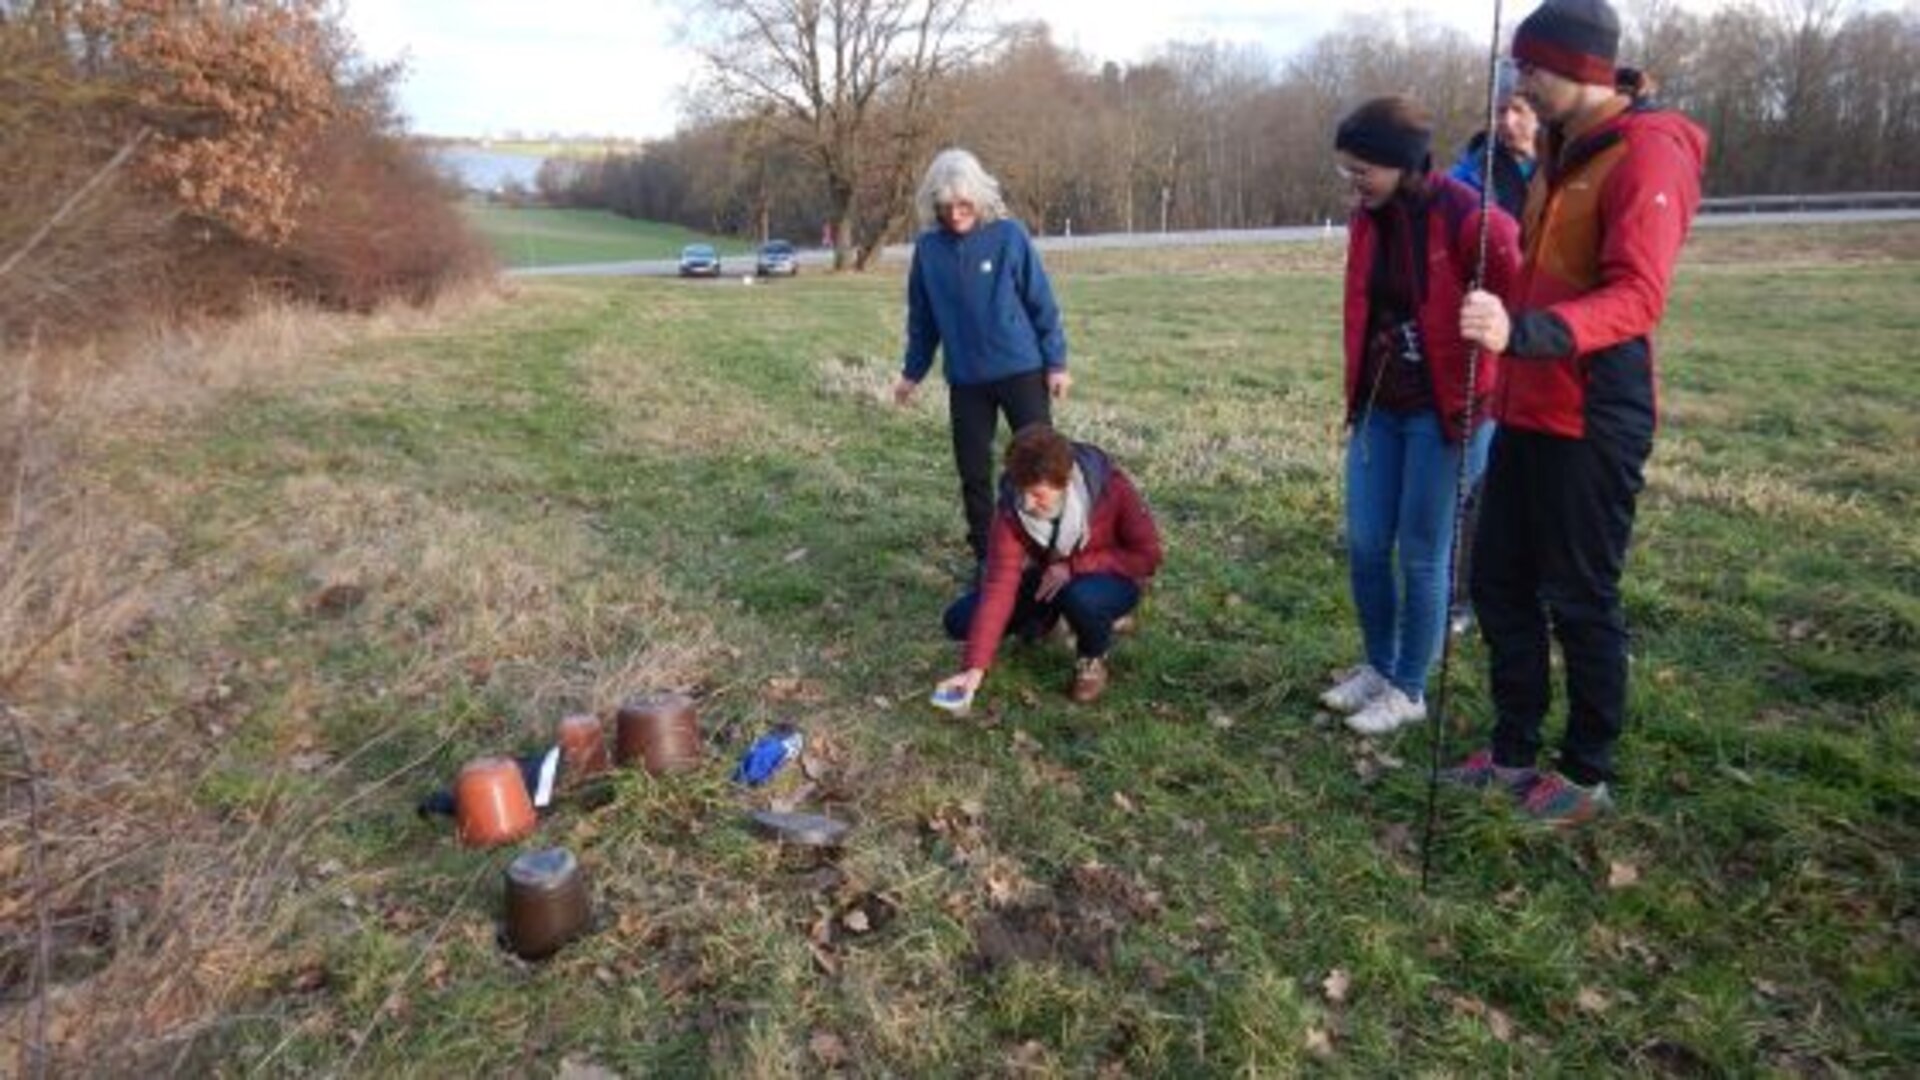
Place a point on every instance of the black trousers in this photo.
(975, 411)
(1556, 517)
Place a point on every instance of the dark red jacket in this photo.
(1121, 539)
(1452, 244)
(1606, 216)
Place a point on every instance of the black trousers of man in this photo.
(1555, 521)
(976, 411)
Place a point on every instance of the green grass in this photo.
(614, 485)
(542, 236)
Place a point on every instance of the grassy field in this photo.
(542, 236)
(428, 540)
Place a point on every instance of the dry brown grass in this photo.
(162, 911)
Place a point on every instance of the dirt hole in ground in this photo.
(1077, 921)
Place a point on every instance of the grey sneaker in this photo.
(1389, 711)
(1557, 801)
(1355, 689)
(1479, 772)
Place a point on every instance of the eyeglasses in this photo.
(1355, 174)
(961, 205)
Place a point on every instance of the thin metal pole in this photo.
(1437, 717)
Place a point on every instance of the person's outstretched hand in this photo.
(967, 682)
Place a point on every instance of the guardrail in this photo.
(1845, 200)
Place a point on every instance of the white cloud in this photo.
(564, 66)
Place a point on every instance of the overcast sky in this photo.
(612, 67)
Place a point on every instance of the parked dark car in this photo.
(777, 259)
(699, 260)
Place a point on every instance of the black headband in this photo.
(1384, 144)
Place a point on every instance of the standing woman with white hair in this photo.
(978, 293)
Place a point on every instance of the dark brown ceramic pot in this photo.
(547, 904)
(660, 733)
(491, 803)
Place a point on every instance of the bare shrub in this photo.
(237, 119)
(387, 229)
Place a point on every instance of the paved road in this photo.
(820, 260)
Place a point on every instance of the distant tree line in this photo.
(1797, 96)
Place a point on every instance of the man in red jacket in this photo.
(1607, 213)
(1070, 537)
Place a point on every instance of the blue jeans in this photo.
(1401, 484)
(1092, 603)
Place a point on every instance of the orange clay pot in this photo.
(583, 750)
(491, 802)
(659, 733)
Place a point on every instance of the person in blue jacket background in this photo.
(1515, 133)
(978, 293)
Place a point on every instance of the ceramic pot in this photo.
(547, 904)
(659, 733)
(583, 750)
(491, 803)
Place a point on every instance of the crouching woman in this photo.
(1071, 538)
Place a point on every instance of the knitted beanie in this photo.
(1578, 39)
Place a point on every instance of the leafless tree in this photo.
(831, 68)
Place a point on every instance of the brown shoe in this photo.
(1089, 679)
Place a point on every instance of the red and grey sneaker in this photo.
(1557, 801)
(1479, 772)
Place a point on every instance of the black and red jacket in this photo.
(1606, 216)
(1451, 238)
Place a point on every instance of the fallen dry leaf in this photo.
(1030, 1056)
(1005, 884)
(1589, 1000)
(823, 956)
(1336, 985)
(1125, 804)
(794, 556)
(1497, 1022)
(584, 1068)
(828, 1049)
(1621, 875)
(820, 931)
(856, 921)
